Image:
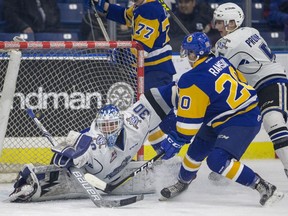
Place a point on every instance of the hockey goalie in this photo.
(105, 150)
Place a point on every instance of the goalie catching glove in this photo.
(73, 152)
(172, 145)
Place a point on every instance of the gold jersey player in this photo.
(214, 105)
(150, 25)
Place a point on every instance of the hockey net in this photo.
(68, 82)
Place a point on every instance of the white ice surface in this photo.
(201, 199)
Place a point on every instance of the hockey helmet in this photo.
(229, 11)
(109, 121)
(198, 43)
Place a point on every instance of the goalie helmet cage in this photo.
(67, 82)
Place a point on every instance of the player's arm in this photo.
(231, 49)
(241, 77)
(155, 105)
(192, 107)
(119, 14)
(74, 151)
(113, 12)
(163, 99)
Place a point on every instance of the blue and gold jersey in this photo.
(212, 94)
(150, 28)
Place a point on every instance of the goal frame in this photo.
(8, 46)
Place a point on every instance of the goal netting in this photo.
(66, 81)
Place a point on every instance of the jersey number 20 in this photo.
(232, 100)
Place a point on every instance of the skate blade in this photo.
(277, 196)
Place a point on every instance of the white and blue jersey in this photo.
(249, 53)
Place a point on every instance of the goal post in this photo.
(8, 90)
(68, 82)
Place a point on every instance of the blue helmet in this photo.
(198, 43)
(109, 121)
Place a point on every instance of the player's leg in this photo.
(148, 181)
(196, 153)
(273, 104)
(275, 125)
(157, 135)
(161, 100)
(224, 160)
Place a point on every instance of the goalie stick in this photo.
(106, 187)
(92, 192)
(165, 6)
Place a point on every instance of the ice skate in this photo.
(173, 190)
(268, 192)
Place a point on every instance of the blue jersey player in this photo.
(222, 115)
(150, 25)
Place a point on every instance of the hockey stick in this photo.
(175, 18)
(106, 187)
(99, 20)
(93, 194)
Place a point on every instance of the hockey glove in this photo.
(72, 151)
(99, 5)
(62, 161)
(172, 145)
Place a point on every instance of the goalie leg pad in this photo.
(45, 183)
(142, 183)
(59, 184)
(151, 180)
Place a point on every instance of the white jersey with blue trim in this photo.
(108, 163)
(249, 53)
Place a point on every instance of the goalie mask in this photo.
(197, 43)
(109, 121)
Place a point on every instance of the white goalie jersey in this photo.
(108, 163)
(249, 53)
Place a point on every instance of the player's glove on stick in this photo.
(72, 152)
(172, 145)
(99, 5)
